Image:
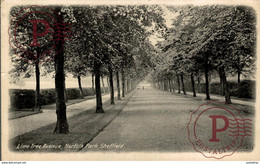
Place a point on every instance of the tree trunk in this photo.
(163, 85)
(37, 106)
(179, 85)
(172, 84)
(238, 70)
(80, 88)
(199, 84)
(65, 91)
(93, 83)
(130, 85)
(118, 85)
(222, 90)
(126, 86)
(108, 85)
(193, 85)
(103, 85)
(99, 106)
(62, 125)
(158, 78)
(123, 83)
(169, 83)
(224, 78)
(207, 82)
(238, 77)
(183, 86)
(112, 101)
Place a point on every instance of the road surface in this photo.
(154, 120)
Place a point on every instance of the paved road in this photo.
(153, 120)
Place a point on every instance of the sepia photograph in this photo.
(122, 78)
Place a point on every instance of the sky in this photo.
(168, 16)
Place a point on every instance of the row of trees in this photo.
(101, 41)
(114, 41)
(206, 40)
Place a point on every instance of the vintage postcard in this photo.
(130, 80)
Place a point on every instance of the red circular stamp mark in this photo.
(37, 33)
(216, 132)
